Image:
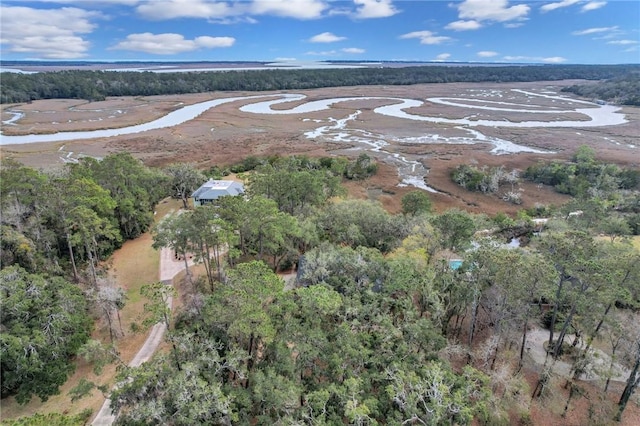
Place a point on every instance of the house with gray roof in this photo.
(214, 189)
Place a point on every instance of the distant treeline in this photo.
(96, 85)
(623, 90)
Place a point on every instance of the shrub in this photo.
(512, 197)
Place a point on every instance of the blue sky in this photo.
(556, 32)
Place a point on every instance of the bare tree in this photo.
(633, 380)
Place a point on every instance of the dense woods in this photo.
(380, 328)
(57, 230)
(622, 90)
(96, 85)
(45, 322)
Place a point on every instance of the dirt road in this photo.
(169, 268)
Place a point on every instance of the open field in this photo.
(411, 152)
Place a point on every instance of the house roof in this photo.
(213, 189)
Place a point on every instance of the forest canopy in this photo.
(97, 85)
(622, 90)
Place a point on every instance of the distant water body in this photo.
(168, 67)
(31, 67)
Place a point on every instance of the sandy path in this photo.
(169, 268)
(537, 337)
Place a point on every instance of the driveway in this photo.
(169, 268)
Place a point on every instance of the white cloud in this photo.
(596, 30)
(170, 43)
(557, 5)
(46, 33)
(554, 60)
(221, 11)
(353, 50)
(374, 9)
(549, 60)
(300, 9)
(326, 38)
(593, 5)
(464, 25)
(443, 56)
(426, 37)
(348, 50)
(323, 53)
(623, 42)
(57, 47)
(214, 42)
(487, 54)
(492, 10)
(173, 9)
(124, 2)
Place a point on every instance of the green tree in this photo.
(208, 237)
(135, 188)
(157, 393)
(412, 280)
(346, 270)
(416, 202)
(158, 307)
(276, 395)
(184, 178)
(240, 307)
(617, 283)
(51, 419)
(23, 212)
(171, 232)
(455, 227)
(433, 395)
(518, 279)
(305, 319)
(454, 294)
(82, 211)
(614, 227)
(16, 248)
(585, 155)
(361, 223)
(422, 242)
(159, 297)
(20, 194)
(44, 323)
(295, 184)
(362, 168)
(87, 231)
(263, 229)
(581, 274)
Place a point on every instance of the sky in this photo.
(500, 31)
